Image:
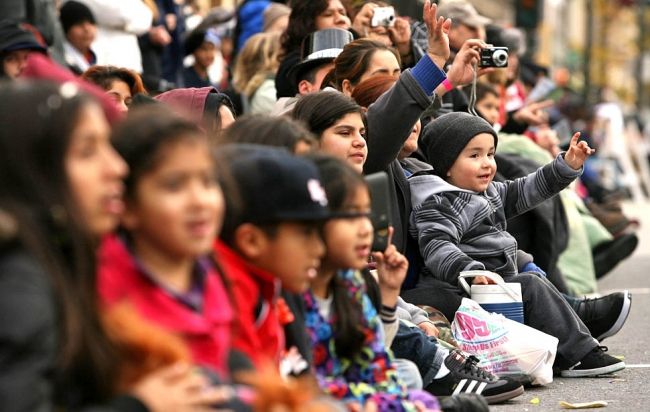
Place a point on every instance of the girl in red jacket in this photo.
(159, 261)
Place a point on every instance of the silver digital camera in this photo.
(383, 16)
(494, 57)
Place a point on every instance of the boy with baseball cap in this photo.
(270, 239)
(459, 219)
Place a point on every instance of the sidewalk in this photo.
(629, 390)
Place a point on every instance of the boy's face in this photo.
(82, 35)
(292, 254)
(475, 167)
(14, 63)
(488, 107)
(205, 54)
(178, 206)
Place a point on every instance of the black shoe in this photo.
(595, 363)
(609, 254)
(465, 376)
(464, 402)
(606, 315)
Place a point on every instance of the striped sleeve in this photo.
(523, 194)
(439, 230)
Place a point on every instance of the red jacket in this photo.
(259, 333)
(207, 333)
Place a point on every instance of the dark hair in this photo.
(340, 181)
(302, 21)
(104, 76)
(141, 137)
(369, 90)
(321, 110)
(482, 89)
(269, 131)
(37, 196)
(354, 60)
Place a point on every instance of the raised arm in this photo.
(525, 193)
(392, 116)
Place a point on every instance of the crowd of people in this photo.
(185, 224)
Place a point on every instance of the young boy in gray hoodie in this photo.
(459, 219)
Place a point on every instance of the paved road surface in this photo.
(629, 391)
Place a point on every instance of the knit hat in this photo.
(14, 37)
(445, 138)
(73, 13)
(273, 12)
(196, 38)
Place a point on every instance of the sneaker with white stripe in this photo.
(465, 376)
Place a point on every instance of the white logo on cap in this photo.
(317, 192)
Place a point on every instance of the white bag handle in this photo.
(490, 275)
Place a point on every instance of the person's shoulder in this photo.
(27, 296)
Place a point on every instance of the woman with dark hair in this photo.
(338, 123)
(61, 191)
(271, 131)
(362, 59)
(119, 83)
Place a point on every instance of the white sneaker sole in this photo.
(620, 321)
(586, 373)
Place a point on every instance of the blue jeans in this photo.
(413, 344)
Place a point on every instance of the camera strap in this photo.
(472, 96)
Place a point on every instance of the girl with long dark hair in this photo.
(61, 191)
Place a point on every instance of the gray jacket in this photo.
(461, 230)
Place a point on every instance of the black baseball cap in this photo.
(14, 37)
(274, 185)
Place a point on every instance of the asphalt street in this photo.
(628, 390)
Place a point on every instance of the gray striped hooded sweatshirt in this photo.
(459, 230)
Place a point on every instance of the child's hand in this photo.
(429, 328)
(578, 152)
(391, 266)
(438, 29)
(482, 280)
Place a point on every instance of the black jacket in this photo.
(29, 337)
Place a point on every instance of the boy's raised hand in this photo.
(578, 152)
(438, 30)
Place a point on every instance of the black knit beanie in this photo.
(73, 12)
(445, 138)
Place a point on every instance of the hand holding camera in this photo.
(383, 17)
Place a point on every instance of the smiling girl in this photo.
(350, 359)
(338, 123)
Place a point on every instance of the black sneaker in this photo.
(595, 363)
(606, 315)
(465, 376)
(464, 402)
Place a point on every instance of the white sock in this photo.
(443, 368)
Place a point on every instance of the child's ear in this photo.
(304, 87)
(250, 240)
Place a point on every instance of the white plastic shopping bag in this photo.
(504, 346)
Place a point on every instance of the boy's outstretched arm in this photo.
(525, 193)
(578, 152)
